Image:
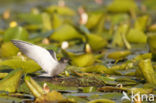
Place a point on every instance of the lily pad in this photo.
(96, 42)
(65, 32)
(31, 18)
(15, 33)
(136, 36)
(147, 70)
(118, 55)
(93, 20)
(28, 66)
(46, 22)
(57, 21)
(151, 43)
(83, 60)
(60, 10)
(101, 101)
(11, 81)
(122, 6)
(8, 50)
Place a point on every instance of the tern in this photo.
(45, 58)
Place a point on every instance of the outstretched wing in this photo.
(40, 55)
(53, 54)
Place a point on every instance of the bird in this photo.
(43, 57)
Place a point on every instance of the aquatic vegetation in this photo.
(109, 55)
(66, 32)
(147, 70)
(15, 33)
(60, 10)
(96, 42)
(151, 42)
(101, 101)
(28, 66)
(118, 55)
(125, 6)
(135, 34)
(11, 82)
(8, 50)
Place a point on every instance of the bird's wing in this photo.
(38, 54)
(53, 54)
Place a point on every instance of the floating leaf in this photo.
(141, 23)
(80, 60)
(136, 36)
(34, 87)
(121, 32)
(8, 49)
(83, 60)
(141, 90)
(66, 32)
(52, 97)
(96, 69)
(152, 28)
(28, 66)
(123, 66)
(57, 21)
(96, 42)
(60, 10)
(118, 55)
(152, 44)
(15, 33)
(122, 6)
(93, 20)
(143, 56)
(112, 89)
(46, 22)
(31, 18)
(42, 96)
(101, 101)
(11, 81)
(147, 71)
(117, 19)
(88, 89)
(2, 75)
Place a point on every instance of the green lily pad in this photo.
(8, 49)
(147, 71)
(60, 10)
(93, 20)
(96, 69)
(136, 36)
(28, 66)
(96, 42)
(46, 22)
(122, 6)
(31, 18)
(2, 75)
(11, 81)
(57, 21)
(141, 90)
(15, 33)
(151, 43)
(34, 87)
(83, 60)
(66, 32)
(118, 55)
(141, 23)
(121, 32)
(102, 101)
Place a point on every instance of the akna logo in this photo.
(137, 97)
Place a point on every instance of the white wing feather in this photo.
(38, 54)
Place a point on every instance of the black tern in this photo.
(45, 58)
